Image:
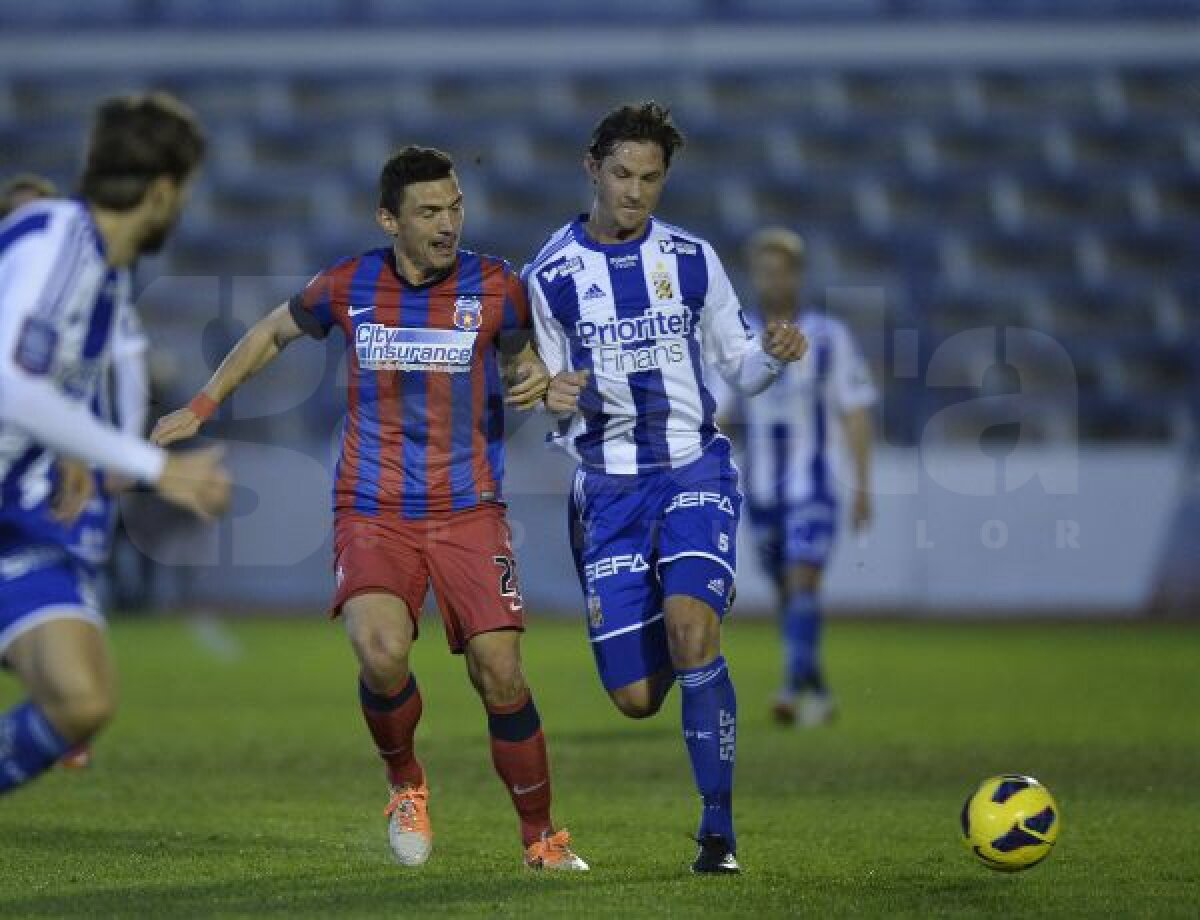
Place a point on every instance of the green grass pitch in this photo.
(238, 780)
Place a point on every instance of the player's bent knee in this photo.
(80, 712)
(802, 578)
(692, 644)
(383, 655)
(636, 702)
(500, 681)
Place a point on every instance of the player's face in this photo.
(775, 276)
(165, 202)
(429, 225)
(629, 182)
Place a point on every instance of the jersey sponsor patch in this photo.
(677, 247)
(387, 348)
(563, 269)
(36, 346)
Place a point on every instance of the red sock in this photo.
(392, 720)
(519, 755)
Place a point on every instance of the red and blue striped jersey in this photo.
(425, 428)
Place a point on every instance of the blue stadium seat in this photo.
(274, 14)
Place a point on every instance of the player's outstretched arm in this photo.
(195, 480)
(257, 348)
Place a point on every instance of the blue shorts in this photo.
(91, 536)
(790, 535)
(640, 538)
(39, 584)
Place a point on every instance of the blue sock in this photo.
(801, 639)
(710, 733)
(29, 744)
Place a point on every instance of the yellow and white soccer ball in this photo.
(1010, 822)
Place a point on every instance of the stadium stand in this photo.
(1062, 199)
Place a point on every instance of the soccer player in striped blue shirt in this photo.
(60, 267)
(627, 312)
(798, 447)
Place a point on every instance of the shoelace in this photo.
(404, 802)
(557, 844)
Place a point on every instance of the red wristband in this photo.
(203, 406)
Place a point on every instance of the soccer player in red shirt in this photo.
(417, 496)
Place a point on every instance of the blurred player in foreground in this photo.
(88, 498)
(61, 264)
(795, 446)
(627, 309)
(417, 493)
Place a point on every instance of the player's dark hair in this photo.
(407, 167)
(134, 140)
(25, 186)
(646, 121)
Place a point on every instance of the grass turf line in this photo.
(246, 785)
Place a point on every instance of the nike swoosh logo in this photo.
(354, 311)
(525, 790)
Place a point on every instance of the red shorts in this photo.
(467, 555)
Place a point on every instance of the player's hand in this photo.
(528, 384)
(176, 426)
(563, 393)
(860, 513)
(196, 480)
(785, 342)
(75, 488)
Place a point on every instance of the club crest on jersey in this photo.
(663, 289)
(468, 312)
(595, 611)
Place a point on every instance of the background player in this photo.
(795, 456)
(87, 498)
(59, 265)
(626, 309)
(417, 494)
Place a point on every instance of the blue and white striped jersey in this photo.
(58, 301)
(645, 317)
(794, 443)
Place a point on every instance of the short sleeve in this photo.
(853, 387)
(32, 251)
(551, 339)
(516, 304)
(312, 308)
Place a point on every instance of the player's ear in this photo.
(160, 194)
(387, 221)
(592, 166)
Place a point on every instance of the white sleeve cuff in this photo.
(756, 371)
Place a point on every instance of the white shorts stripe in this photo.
(628, 629)
(46, 615)
(728, 568)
